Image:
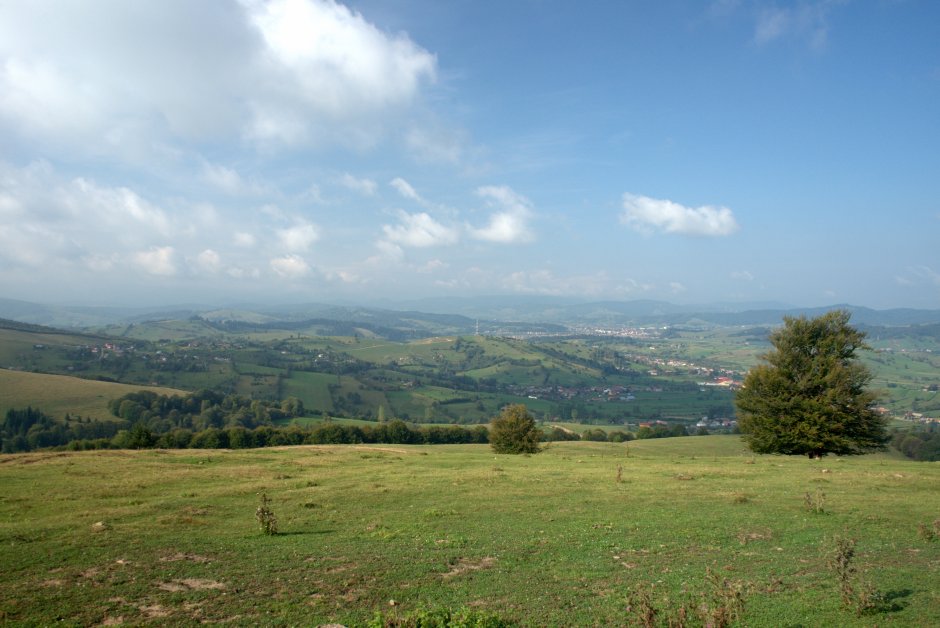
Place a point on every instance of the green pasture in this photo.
(57, 395)
(170, 537)
(311, 388)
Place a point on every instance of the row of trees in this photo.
(201, 409)
(29, 428)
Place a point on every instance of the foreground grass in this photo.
(553, 539)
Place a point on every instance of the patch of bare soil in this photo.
(154, 611)
(190, 584)
(193, 558)
(467, 566)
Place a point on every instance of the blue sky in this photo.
(306, 150)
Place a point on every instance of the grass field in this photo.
(57, 395)
(160, 537)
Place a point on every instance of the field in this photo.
(57, 395)
(552, 539)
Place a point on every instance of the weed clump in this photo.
(720, 604)
(265, 516)
(815, 502)
(929, 532)
(856, 594)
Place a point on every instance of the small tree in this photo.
(810, 397)
(514, 431)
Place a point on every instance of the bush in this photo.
(514, 432)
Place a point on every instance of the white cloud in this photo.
(742, 275)
(158, 260)
(290, 266)
(209, 261)
(299, 238)
(419, 230)
(114, 206)
(46, 217)
(404, 188)
(330, 61)
(366, 187)
(387, 251)
(244, 240)
(228, 180)
(120, 77)
(243, 273)
(511, 223)
(647, 214)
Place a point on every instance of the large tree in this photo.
(811, 396)
(514, 431)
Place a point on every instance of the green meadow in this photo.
(58, 395)
(565, 537)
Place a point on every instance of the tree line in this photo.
(921, 444)
(139, 424)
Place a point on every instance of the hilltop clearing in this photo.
(563, 538)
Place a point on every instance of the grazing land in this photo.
(551, 539)
(59, 395)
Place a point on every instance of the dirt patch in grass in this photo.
(190, 584)
(193, 558)
(749, 536)
(465, 566)
(154, 611)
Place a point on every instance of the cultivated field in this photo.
(553, 539)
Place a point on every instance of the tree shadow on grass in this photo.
(888, 602)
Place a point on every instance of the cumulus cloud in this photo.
(163, 73)
(329, 59)
(290, 266)
(45, 216)
(367, 187)
(298, 238)
(209, 261)
(158, 260)
(419, 230)
(742, 275)
(651, 214)
(510, 223)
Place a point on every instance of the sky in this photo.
(287, 151)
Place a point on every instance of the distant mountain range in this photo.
(463, 315)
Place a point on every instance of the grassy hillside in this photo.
(57, 395)
(552, 539)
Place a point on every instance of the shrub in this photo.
(514, 431)
(265, 516)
